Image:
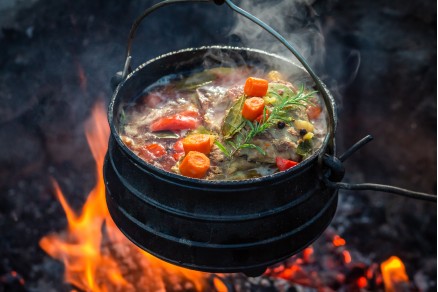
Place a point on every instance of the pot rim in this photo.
(174, 177)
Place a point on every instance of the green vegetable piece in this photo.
(222, 148)
(275, 88)
(221, 71)
(305, 148)
(234, 121)
(253, 146)
(196, 80)
(202, 78)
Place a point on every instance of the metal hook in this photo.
(336, 172)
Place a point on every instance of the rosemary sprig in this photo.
(279, 112)
(241, 141)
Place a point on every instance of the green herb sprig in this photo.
(280, 112)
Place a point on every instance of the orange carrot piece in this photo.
(195, 164)
(255, 87)
(197, 142)
(252, 108)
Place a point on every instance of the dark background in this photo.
(378, 58)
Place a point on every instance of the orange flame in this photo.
(219, 285)
(96, 255)
(394, 273)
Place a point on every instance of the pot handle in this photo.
(334, 168)
(335, 173)
(119, 77)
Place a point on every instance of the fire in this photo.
(347, 256)
(338, 241)
(96, 255)
(394, 274)
(362, 282)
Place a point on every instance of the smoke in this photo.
(295, 20)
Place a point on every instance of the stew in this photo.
(224, 123)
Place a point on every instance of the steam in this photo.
(293, 19)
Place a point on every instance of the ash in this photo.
(56, 61)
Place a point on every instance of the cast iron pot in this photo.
(216, 226)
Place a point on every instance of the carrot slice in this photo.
(255, 87)
(195, 164)
(197, 142)
(252, 108)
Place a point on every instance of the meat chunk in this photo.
(275, 142)
(214, 102)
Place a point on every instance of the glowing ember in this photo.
(96, 255)
(307, 254)
(338, 241)
(347, 256)
(362, 282)
(394, 274)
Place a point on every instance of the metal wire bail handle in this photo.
(336, 170)
(321, 88)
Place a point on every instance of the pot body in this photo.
(214, 226)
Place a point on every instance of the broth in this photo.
(224, 123)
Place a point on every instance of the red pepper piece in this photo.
(157, 150)
(178, 150)
(284, 164)
(187, 120)
(259, 119)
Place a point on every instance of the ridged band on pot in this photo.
(215, 226)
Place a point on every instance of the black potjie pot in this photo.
(216, 226)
